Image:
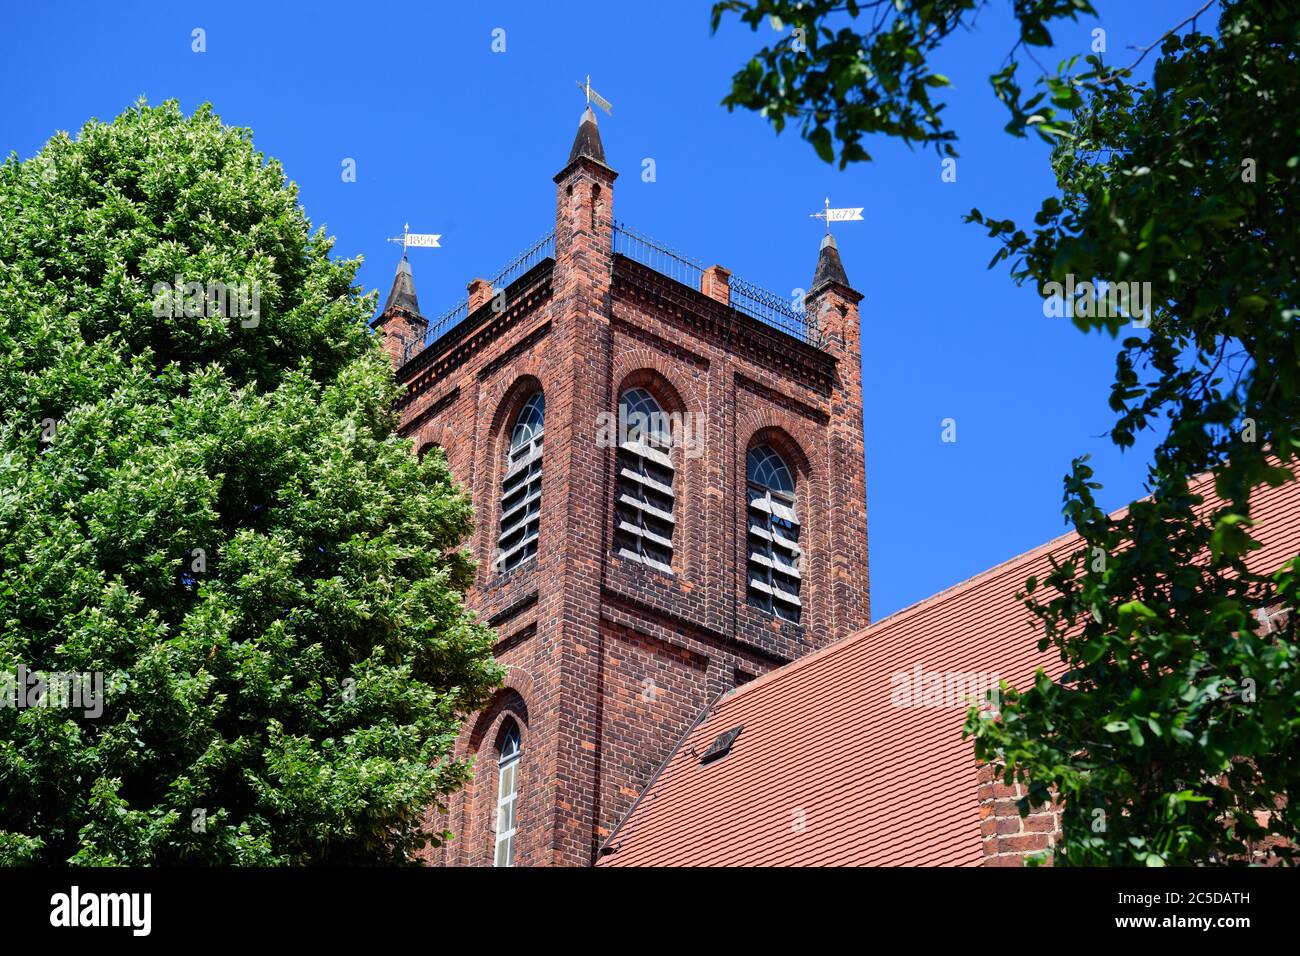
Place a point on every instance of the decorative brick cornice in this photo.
(432, 409)
(773, 647)
(839, 288)
(512, 609)
(523, 345)
(817, 415)
(703, 316)
(478, 330)
(592, 166)
(676, 349)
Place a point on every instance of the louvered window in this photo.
(773, 535)
(643, 505)
(521, 488)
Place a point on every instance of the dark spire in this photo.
(829, 267)
(402, 295)
(587, 142)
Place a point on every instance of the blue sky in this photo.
(462, 141)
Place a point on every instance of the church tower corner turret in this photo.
(400, 323)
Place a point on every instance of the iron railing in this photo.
(756, 302)
(661, 258)
(774, 310)
(530, 257)
(441, 325)
(541, 249)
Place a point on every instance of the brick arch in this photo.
(431, 442)
(788, 433)
(657, 374)
(454, 436)
(507, 701)
(784, 445)
(656, 383)
(508, 723)
(504, 396)
(480, 740)
(509, 404)
(517, 688)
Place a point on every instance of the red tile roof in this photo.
(827, 772)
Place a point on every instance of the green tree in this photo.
(206, 503)
(1171, 734)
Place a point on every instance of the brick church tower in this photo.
(666, 464)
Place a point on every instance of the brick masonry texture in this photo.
(609, 661)
(1008, 839)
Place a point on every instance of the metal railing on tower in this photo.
(758, 303)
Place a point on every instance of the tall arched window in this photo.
(643, 492)
(773, 538)
(507, 797)
(521, 488)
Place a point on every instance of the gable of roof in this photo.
(829, 772)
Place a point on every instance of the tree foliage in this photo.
(213, 512)
(1171, 734)
(866, 73)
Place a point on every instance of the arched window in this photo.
(773, 538)
(507, 797)
(521, 488)
(643, 492)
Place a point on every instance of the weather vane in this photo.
(847, 214)
(421, 240)
(594, 97)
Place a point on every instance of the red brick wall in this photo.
(585, 634)
(1007, 837)
(402, 329)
